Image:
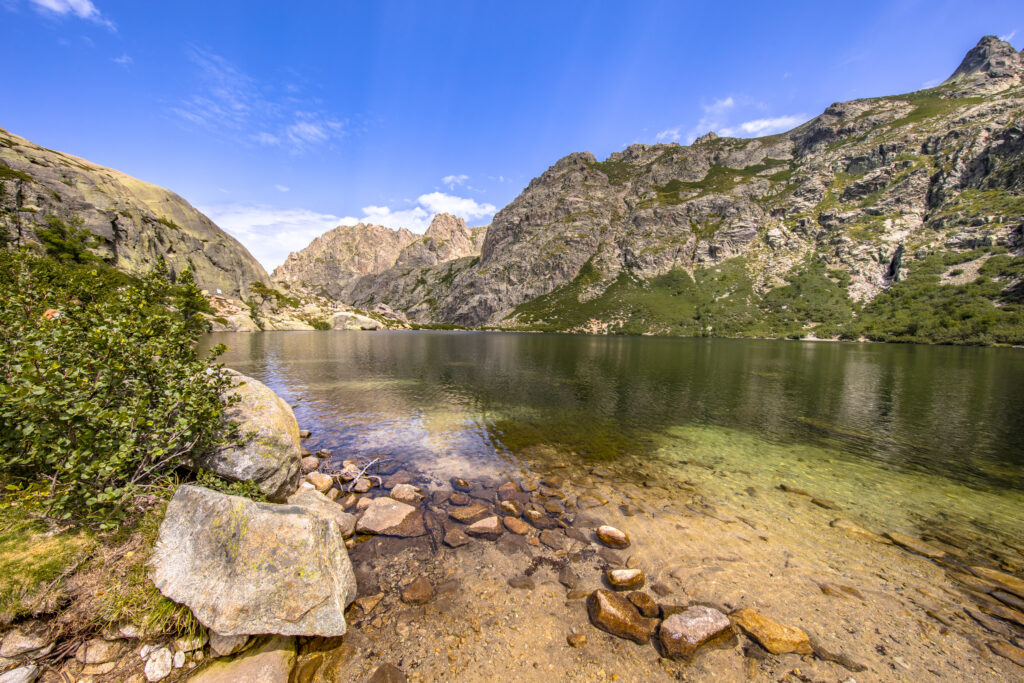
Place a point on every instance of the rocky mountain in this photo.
(136, 223)
(878, 212)
(339, 256)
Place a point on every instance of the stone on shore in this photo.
(309, 464)
(388, 517)
(98, 651)
(681, 634)
(615, 614)
(158, 664)
(322, 482)
(777, 638)
(626, 579)
(270, 662)
(225, 646)
(269, 453)
(612, 537)
(17, 642)
(23, 674)
(248, 568)
(318, 503)
(489, 528)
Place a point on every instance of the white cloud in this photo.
(452, 180)
(282, 188)
(123, 60)
(83, 9)
(271, 233)
(759, 127)
(230, 102)
(1009, 36)
(668, 134)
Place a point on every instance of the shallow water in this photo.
(913, 437)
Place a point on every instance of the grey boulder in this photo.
(252, 568)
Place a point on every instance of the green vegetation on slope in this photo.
(721, 301)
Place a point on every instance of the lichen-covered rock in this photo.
(318, 503)
(270, 451)
(249, 568)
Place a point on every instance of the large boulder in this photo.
(318, 503)
(250, 568)
(269, 453)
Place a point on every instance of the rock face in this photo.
(775, 637)
(137, 223)
(250, 568)
(345, 253)
(270, 452)
(858, 195)
(681, 634)
(615, 614)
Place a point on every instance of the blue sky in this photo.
(281, 120)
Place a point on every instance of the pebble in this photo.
(17, 643)
(489, 528)
(98, 651)
(616, 615)
(159, 665)
(626, 579)
(407, 493)
(309, 464)
(681, 634)
(333, 494)
(552, 539)
(455, 538)
(775, 637)
(576, 639)
(224, 646)
(468, 514)
(23, 674)
(367, 603)
(612, 537)
(419, 592)
(644, 603)
(516, 525)
(179, 660)
(511, 507)
(633, 562)
(458, 498)
(554, 481)
(577, 594)
(399, 477)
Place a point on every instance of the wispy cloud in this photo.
(669, 134)
(452, 180)
(759, 127)
(1009, 36)
(718, 116)
(231, 102)
(124, 60)
(282, 188)
(82, 9)
(271, 233)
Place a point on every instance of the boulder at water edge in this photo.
(249, 568)
(270, 451)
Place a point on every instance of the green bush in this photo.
(102, 394)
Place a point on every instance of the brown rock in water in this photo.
(791, 489)
(775, 637)
(825, 503)
(915, 545)
(458, 498)
(460, 484)
(362, 485)
(368, 603)
(516, 525)
(523, 582)
(662, 589)
(321, 481)
(508, 491)
(389, 517)
(553, 507)
(511, 507)
(407, 493)
(612, 537)
(419, 592)
(309, 464)
(645, 603)
(540, 520)
(585, 502)
(854, 528)
(576, 639)
(1004, 649)
(567, 577)
(399, 477)
(469, 514)
(553, 539)
(388, 673)
(1005, 581)
(332, 495)
(625, 579)
(681, 634)
(456, 538)
(305, 433)
(615, 614)
(554, 481)
(489, 528)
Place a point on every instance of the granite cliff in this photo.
(813, 231)
(136, 223)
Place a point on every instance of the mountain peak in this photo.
(444, 225)
(990, 66)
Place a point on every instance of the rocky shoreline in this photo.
(374, 570)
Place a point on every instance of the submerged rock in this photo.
(419, 592)
(612, 537)
(489, 528)
(388, 673)
(388, 517)
(269, 454)
(270, 662)
(626, 579)
(516, 525)
(915, 545)
(615, 614)
(854, 528)
(1006, 581)
(455, 538)
(248, 568)
(644, 603)
(681, 634)
(470, 513)
(407, 493)
(775, 637)
(458, 498)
